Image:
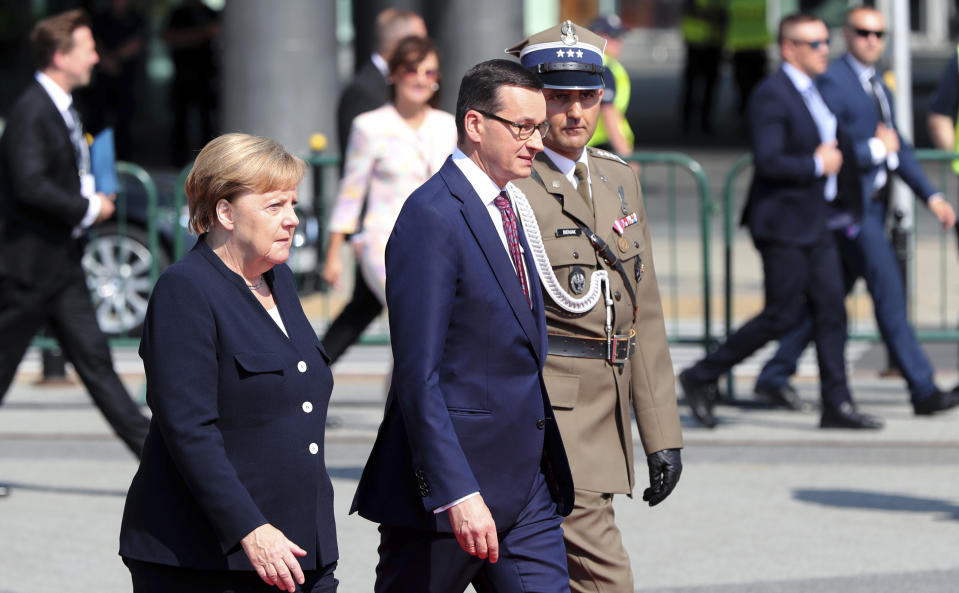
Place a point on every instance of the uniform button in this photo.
(618, 295)
(636, 244)
(314, 448)
(301, 366)
(307, 407)
(541, 424)
(575, 255)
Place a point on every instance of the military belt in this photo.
(617, 349)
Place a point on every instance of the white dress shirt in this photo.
(63, 100)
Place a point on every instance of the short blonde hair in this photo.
(232, 165)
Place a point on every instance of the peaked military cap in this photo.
(566, 56)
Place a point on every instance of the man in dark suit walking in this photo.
(368, 90)
(873, 150)
(468, 477)
(793, 139)
(48, 200)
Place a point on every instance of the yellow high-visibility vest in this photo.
(747, 25)
(700, 31)
(620, 102)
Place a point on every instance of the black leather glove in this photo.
(665, 468)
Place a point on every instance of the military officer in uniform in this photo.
(608, 352)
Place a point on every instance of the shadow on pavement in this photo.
(70, 490)
(878, 501)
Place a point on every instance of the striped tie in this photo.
(512, 240)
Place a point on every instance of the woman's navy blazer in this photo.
(239, 412)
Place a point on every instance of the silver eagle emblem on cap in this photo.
(568, 31)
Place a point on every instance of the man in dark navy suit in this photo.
(368, 90)
(873, 151)
(47, 201)
(793, 138)
(468, 477)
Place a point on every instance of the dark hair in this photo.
(55, 33)
(409, 53)
(788, 23)
(480, 86)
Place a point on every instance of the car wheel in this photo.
(118, 276)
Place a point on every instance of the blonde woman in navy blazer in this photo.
(232, 491)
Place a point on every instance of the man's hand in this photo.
(271, 554)
(888, 137)
(665, 468)
(941, 209)
(107, 206)
(474, 528)
(831, 157)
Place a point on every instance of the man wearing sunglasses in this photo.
(872, 152)
(793, 138)
(608, 353)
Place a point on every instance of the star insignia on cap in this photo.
(579, 53)
(559, 53)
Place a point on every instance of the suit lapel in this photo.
(53, 114)
(481, 226)
(800, 106)
(607, 210)
(559, 186)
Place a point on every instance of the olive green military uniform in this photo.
(592, 397)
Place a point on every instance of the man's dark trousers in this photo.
(790, 272)
(68, 312)
(867, 254)
(532, 550)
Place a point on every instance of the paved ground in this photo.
(767, 503)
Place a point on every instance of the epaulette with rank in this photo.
(605, 154)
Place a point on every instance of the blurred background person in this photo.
(120, 33)
(873, 152)
(703, 25)
(792, 134)
(612, 130)
(47, 202)
(233, 477)
(190, 34)
(392, 151)
(747, 38)
(368, 90)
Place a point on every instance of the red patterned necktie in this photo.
(512, 240)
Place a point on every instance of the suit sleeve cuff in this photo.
(878, 150)
(447, 507)
(93, 210)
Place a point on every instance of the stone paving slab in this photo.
(767, 503)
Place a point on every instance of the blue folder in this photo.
(103, 162)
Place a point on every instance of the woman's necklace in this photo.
(257, 285)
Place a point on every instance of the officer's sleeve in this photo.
(653, 387)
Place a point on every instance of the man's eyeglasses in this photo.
(523, 131)
(868, 32)
(815, 44)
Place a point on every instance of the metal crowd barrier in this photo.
(675, 267)
(662, 189)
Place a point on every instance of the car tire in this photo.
(117, 266)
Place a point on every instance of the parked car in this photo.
(118, 259)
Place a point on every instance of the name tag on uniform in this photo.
(568, 233)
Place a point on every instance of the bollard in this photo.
(54, 367)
